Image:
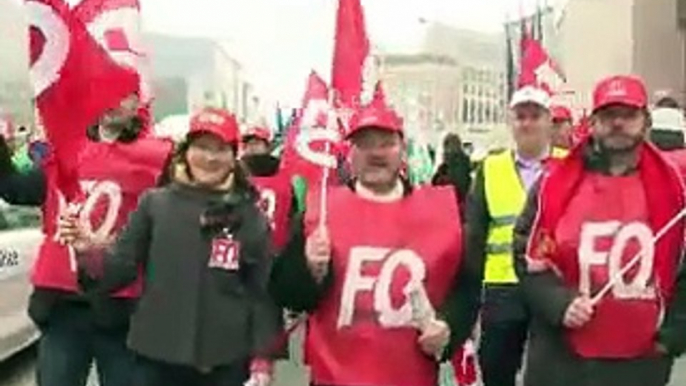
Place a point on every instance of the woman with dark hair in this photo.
(205, 317)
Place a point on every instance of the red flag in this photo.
(116, 26)
(305, 149)
(75, 81)
(351, 52)
(537, 68)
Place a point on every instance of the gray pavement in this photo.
(20, 372)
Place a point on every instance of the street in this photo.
(20, 372)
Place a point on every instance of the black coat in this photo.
(191, 314)
(456, 171)
(550, 361)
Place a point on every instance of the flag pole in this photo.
(637, 258)
(331, 121)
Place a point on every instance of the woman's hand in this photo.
(71, 232)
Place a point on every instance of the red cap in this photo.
(561, 113)
(215, 121)
(378, 117)
(262, 133)
(621, 89)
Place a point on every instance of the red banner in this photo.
(313, 142)
(351, 58)
(538, 68)
(75, 79)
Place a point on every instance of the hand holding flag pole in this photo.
(331, 122)
(70, 215)
(434, 333)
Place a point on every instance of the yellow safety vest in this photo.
(505, 198)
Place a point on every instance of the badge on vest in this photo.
(225, 253)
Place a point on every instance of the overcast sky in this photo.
(280, 41)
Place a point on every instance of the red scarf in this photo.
(664, 194)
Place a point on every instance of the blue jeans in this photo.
(70, 342)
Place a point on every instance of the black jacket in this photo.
(550, 361)
(293, 287)
(190, 313)
(456, 171)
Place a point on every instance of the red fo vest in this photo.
(589, 226)
(361, 334)
(276, 201)
(112, 176)
(594, 241)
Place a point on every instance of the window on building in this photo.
(480, 113)
(472, 111)
(465, 110)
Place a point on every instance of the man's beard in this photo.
(630, 147)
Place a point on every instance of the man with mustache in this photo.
(372, 270)
(498, 195)
(599, 268)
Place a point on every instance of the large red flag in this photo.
(75, 81)
(116, 26)
(538, 68)
(306, 152)
(351, 58)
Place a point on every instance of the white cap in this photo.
(668, 119)
(531, 94)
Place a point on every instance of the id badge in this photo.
(225, 253)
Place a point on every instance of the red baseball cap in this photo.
(620, 89)
(561, 113)
(377, 117)
(215, 121)
(262, 133)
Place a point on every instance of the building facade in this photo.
(597, 38)
(483, 110)
(191, 73)
(425, 91)
(15, 90)
(456, 83)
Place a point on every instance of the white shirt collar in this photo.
(394, 195)
(529, 161)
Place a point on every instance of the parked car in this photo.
(20, 237)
